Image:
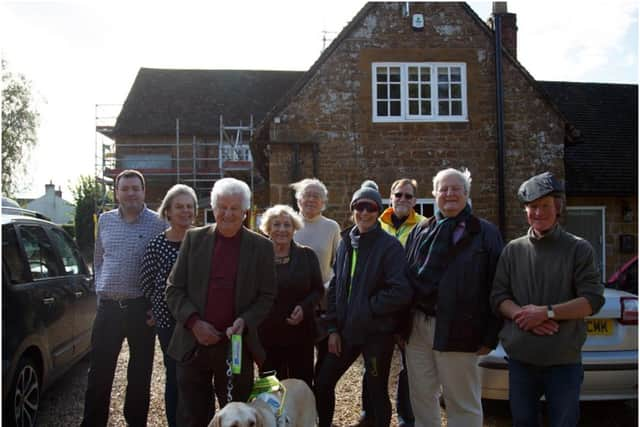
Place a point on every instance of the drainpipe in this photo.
(500, 122)
(315, 154)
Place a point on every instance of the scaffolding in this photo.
(194, 160)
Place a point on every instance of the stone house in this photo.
(388, 100)
(405, 90)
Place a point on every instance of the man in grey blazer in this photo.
(223, 284)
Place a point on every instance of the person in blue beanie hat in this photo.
(368, 290)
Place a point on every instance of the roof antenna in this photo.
(325, 39)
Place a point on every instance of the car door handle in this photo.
(49, 300)
(79, 294)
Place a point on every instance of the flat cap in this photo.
(539, 186)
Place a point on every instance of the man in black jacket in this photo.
(452, 259)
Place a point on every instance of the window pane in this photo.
(443, 91)
(443, 108)
(382, 91)
(395, 108)
(443, 74)
(456, 92)
(69, 255)
(456, 74)
(426, 91)
(425, 74)
(394, 74)
(456, 108)
(413, 90)
(381, 74)
(413, 74)
(11, 256)
(413, 107)
(382, 108)
(394, 91)
(426, 108)
(40, 255)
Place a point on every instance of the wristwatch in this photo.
(550, 313)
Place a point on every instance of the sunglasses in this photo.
(400, 195)
(364, 206)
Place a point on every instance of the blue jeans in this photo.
(171, 381)
(114, 322)
(560, 384)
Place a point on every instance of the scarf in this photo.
(430, 260)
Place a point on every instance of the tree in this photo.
(87, 194)
(19, 127)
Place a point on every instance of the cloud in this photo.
(576, 41)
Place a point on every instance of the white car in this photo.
(609, 355)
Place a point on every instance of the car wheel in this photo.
(23, 401)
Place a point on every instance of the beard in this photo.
(402, 211)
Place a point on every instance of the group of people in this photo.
(306, 299)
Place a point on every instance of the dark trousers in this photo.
(171, 381)
(293, 361)
(559, 384)
(114, 322)
(403, 402)
(196, 405)
(322, 348)
(377, 352)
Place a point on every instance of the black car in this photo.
(48, 307)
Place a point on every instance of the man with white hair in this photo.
(452, 258)
(322, 235)
(223, 284)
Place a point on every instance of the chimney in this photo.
(49, 189)
(509, 29)
(59, 192)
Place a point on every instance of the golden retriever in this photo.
(299, 410)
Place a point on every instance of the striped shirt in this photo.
(119, 249)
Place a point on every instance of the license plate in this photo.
(600, 327)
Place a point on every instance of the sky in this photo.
(80, 54)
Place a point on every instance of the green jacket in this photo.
(188, 285)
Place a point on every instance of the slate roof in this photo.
(604, 158)
(197, 98)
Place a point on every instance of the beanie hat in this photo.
(539, 186)
(368, 190)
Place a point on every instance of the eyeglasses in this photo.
(452, 190)
(400, 195)
(365, 206)
(309, 195)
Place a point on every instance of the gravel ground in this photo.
(62, 404)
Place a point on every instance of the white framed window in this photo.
(419, 91)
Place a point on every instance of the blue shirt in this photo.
(118, 252)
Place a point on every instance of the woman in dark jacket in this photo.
(368, 290)
(287, 334)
